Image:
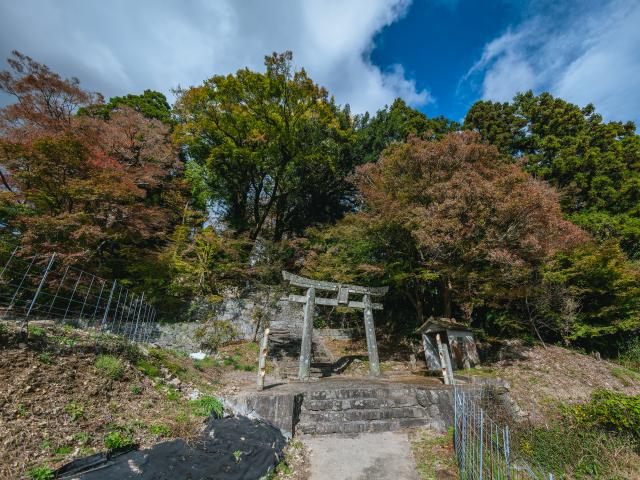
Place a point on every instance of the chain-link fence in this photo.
(43, 287)
(482, 447)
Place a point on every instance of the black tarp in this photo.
(234, 448)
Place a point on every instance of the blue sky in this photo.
(438, 42)
(438, 55)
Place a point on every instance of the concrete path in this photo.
(367, 456)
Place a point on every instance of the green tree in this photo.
(395, 124)
(150, 104)
(595, 164)
(605, 289)
(274, 147)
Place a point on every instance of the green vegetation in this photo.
(74, 410)
(36, 332)
(598, 439)
(117, 439)
(41, 473)
(205, 406)
(136, 390)
(161, 430)
(46, 358)
(110, 366)
(433, 453)
(523, 221)
(148, 368)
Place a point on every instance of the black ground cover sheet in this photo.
(234, 448)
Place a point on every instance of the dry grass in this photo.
(433, 453)
(64, 390)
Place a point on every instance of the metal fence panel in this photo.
(482, 447)
(43, 287)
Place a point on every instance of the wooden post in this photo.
(372, 346)
(447, 374)
(307, 332)
(262, 359)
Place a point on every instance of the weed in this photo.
(136, 390)
(161, 430)
(82, 438)
(117, 439)
(21, 411)
(74, 410)
(40, 473)
(148, 368)
(110, 365)
(36, 332)
(237, 455)
(63, 451)
(46, 444)
(46, 358)
(173, 394)
(205, 406)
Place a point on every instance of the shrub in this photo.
(110, 365)
(206, 405)
(117, 439)
(611, 411)
(40, 473)
(215, 333)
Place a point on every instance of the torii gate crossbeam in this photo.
(310, 300)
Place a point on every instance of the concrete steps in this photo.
(359, 410)
(284, 349)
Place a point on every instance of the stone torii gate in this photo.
(310, 301)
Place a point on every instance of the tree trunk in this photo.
(446, 296)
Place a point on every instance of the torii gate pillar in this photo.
(310, 301)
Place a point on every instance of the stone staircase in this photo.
(284, 350)
(358, 410)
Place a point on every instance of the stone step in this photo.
(333, 416)
(355, 393)
(358, 403)
(324, 428)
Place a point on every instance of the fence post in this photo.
(507, 460)
(135, 330)
(19, 287)
(106, 309)
(8, 261)
(44, 278)
(463, 442)
(481, 441)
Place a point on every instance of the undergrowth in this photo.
(598, 439)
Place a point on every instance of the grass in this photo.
(117, 439)
(161, 430)
(110, 366)
(627, 376)
(40, 473)
(433, 453)
(205, 406)
(149, 368)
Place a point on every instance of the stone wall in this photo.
(242, 312)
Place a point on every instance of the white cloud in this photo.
(584, 52)
(122, 46)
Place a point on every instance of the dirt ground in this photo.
(56, 404)
(539, 377)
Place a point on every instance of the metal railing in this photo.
(482, 447)
(43, 287)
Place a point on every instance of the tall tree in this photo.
(479, 228)
(87, 187)
(272, 148)
(395, 124)
(150, 104)
(595, 164)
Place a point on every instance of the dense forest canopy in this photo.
(524, 220)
